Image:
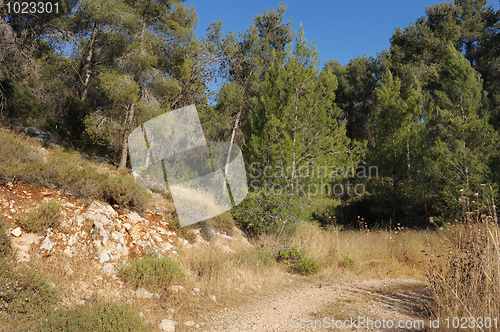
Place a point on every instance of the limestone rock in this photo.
(142, 293)
(17, 232)
(47, 244)
(167, 325)
(109, 269)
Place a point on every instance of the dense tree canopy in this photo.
(425, 113)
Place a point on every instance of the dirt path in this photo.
(396, 303)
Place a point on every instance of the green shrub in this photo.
(16, 158)
(296, 261)
(25, 292)
(67, 171)
(123, 190)
(100, 316)
(152, 272)
(264, 212)
(254, 259)
(45, 216)
(5, 245)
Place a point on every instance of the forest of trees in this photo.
(392, 139)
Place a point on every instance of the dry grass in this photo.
(361, 254)
(464, 280)
(229, 278)
(234, 278)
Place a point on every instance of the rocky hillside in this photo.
(83, 252)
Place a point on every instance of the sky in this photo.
(341, 30)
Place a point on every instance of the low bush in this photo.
(45, 216)
(296, 261)
(100, 316)
(5, 245)
(68, 172)
(23, 291)
(265, 212)
(123, 190)
(152, 272)
(16, 158)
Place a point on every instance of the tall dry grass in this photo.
(465, 282)
(363, 254)
(234, 278)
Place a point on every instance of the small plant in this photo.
(224, 223)
(346, 262)
(25, 292)
(255, 259)
(100, 316)
(45, 216)
(184, 232)
(123, 190)
(5, 245)
(297, 261)
(152, 272)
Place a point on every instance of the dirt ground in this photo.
(388, 305)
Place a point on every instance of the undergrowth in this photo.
(5, 243)
(99, 316)
(152, 272)
(463, 276)
(24, 293)
(20, 161)
(46, 215)
(296, 260)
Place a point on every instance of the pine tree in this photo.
(396, 126)
(295, 133)
(464, 142)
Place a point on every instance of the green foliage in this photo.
(152, 272)
(99, 316)
(426, 112)
(122, 190)
(296, 261)
(25, 292)
(67, 171)
(19, 102)
(295, 127)
(119, 88)
(355, 94)
(263, 212)
(5, 243)
(45, 216)
(254, 259)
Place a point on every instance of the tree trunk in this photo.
(231, 142)
(235, 128)
(86, 71)
(126, 131)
